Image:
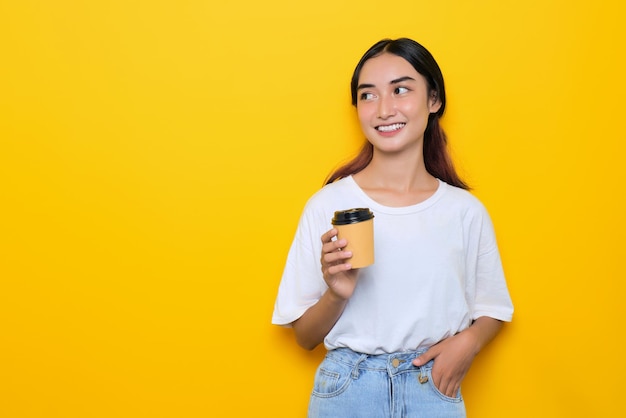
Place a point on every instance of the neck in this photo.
(400, 172)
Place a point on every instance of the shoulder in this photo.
(462, 200)
(331, 193)
(320, 207)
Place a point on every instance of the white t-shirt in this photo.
(437, 268)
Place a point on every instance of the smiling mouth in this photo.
(390, 128)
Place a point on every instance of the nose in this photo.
(386, 107)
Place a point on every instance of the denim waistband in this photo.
(392, 362)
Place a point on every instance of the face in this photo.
(393, 103)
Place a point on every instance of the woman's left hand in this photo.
(453, 356)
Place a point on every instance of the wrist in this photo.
(475, 342)
(482, 331)
(334, 298)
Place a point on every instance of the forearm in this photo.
(483, 330)
(313, 326)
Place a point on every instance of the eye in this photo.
(367, 96)
(401, 90)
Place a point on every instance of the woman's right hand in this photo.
(338, 273)
(313, 326)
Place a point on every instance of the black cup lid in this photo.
(352, 216)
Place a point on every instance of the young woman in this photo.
(402, 333)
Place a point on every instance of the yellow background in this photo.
(155, 157)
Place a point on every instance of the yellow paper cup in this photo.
(356, 226)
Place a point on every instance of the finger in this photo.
(336, 257)
(450, 389)
(443, 386)
(334, 246)
(424, 358)
(329, 235)
(338, 268)
(455, 391)
(439, 379)
(446, 383)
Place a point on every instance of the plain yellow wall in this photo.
(155, 157)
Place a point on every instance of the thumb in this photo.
(424, 358)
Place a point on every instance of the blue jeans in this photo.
(349, 384)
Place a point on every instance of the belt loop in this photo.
(355, 369)
(422, 377)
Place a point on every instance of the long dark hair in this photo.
(436, 156)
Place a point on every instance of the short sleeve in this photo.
(491, 295)
(302, 283)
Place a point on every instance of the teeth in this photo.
(389, 128)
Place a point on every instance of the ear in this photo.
(434, 104)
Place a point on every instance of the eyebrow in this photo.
(396, 81)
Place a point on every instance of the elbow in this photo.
(303, 338)
(307, 345)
